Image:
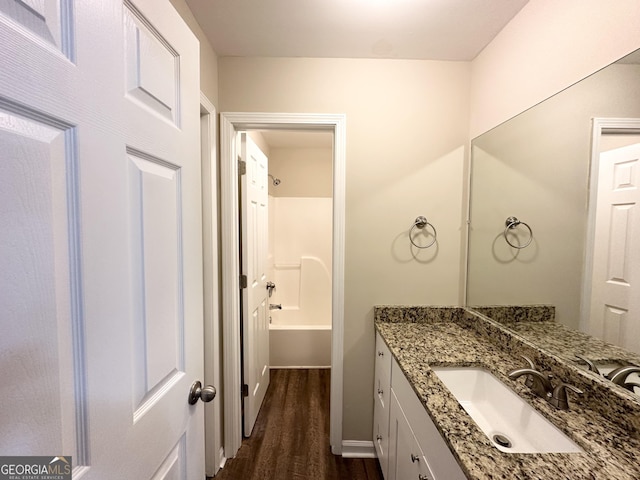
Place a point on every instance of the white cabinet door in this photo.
(255, 303)
(442, 464)
(407, 462)
(100, 243)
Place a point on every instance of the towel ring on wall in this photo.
(421, 222)
(511, 223)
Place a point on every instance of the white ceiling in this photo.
(410, 29)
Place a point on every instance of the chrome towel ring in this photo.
(511, 223)
(421, 222)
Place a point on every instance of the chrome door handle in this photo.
(270, 288)
(197, 391)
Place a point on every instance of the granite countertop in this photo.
(536, 324)
(421, 337)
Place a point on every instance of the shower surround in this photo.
(300, 232)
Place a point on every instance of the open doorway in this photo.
(231, 123)
(285, 254)
(300, 194)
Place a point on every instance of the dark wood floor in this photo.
(290, 440)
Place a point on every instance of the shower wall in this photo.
(300, 266)
(301, 253)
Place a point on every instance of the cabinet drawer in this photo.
(383, 360)
(381, 437)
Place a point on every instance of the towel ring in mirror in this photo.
(510, 224)
(420, 223)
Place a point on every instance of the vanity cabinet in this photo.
(408, 443)
(381, 408)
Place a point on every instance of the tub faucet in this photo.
(541, 385)
(275, 306)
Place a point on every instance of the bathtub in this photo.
(300, 346)
(300, 333)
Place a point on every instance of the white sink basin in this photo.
(502, 415)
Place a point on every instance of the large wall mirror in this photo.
(541, 168)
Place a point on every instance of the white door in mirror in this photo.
(615, 288)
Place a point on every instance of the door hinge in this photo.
(242, 166)
(245, 390)
(243, 281)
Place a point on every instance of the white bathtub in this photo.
(300, 346)
(300, 333)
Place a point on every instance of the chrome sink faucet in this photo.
(620, 374)
(541, 385)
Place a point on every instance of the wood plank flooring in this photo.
(290, 440)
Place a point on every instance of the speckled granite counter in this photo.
(605, 425)
(535, 324)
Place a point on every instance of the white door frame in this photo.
(600, 127)
(212, 359)
(229, 124)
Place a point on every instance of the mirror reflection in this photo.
(554, 219)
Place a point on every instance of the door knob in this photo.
(205, 394)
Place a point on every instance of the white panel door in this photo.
(255, 315)
(615, 290)
(100, 238)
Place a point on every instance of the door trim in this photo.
(211, 266)
(600, 127)
(230, 122)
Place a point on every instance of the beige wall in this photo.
(208, 57)
(305, 172)
(406, 132)
(548, 46)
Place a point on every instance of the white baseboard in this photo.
(358, 449)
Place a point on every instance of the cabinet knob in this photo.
(380, 391)
(423, 477)
(415, 458)
(381, 354)
(379, 438)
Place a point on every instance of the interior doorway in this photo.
(609, 296)
(286, 242)
(299, 260)
(231, 123)
(214, 452)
